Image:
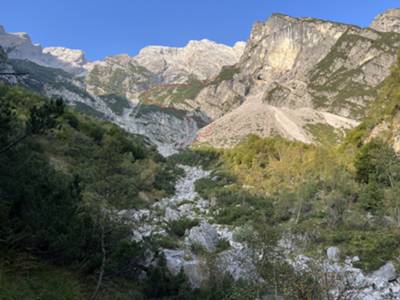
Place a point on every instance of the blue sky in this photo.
(106, 27)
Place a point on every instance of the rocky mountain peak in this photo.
(389, 21)
(18, 45)
(199, 59)
(24, 35)
(72, 56)
(203, 42)
(239, 46)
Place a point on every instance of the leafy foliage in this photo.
(63, 175)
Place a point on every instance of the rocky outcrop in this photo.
(119, 75)
(389, 21)
(73, 57)
(6, 68)
(333, 254)
(202, 60)
(19, 46)
(205, 236)
(195, 269)
(164, 76)
(217, 99)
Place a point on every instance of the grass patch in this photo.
(325, 134)
(227, 73)
(167, 95)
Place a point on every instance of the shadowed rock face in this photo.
(389, 21)
(19, 46)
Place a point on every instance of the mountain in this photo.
(155, 66)
(301, 78)
(127, 89)
(300, 201)
(73, 57)
(389, 21)
(19, 46)
(201, 60)
(303, 73)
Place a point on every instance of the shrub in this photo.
(179, 227)
(371, 197)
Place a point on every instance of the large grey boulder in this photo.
(204, 235)
(175, 260)
(333, 254)
(171, 214)
(196, 272)
(386, 273)
(195, 269)
(237, 263)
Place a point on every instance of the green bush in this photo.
(371, 197)
(179, 227)
(377, 161)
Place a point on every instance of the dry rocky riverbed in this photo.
(236, 259)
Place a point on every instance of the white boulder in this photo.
(204, 235)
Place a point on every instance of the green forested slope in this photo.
(61, 176)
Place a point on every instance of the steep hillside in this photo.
(382, 119)
(63, 176)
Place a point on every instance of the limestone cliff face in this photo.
(215, 100)
(202, 60)
(389, 21)
(73, 57)
(286, 47)
(300, 68)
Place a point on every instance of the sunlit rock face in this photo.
(277, 47)
(389, 21)
(74, 57)
(202, 60)
(299, 72)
